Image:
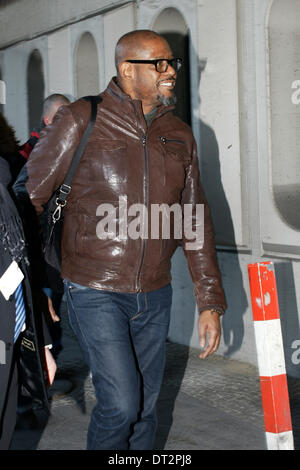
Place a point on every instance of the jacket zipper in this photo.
(144, 141)
(165, 140)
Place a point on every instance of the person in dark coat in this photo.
(21, 357)
(9, 149)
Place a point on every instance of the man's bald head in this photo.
(51, 104)
(133, 44)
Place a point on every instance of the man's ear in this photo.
(126, 71)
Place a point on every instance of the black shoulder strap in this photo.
(65, 188)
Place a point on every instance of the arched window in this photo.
(171, 24)
(35, 88)
(2, 93)
(87, 69)
(284, 66)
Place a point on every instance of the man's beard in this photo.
(167, 101)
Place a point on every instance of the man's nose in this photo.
(171, 70)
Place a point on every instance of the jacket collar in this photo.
(115, 90)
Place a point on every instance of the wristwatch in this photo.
(218, 310)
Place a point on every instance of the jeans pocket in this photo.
(74, 285)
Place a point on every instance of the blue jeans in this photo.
(123, 339)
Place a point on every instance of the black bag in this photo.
(52, 217)
(32, 370)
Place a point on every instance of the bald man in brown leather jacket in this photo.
(117, 282)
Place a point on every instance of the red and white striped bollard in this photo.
(270, 355)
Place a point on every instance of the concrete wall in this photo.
(231, 120)
(25, 20)
(58, 49)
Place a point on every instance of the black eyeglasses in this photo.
(161, 65)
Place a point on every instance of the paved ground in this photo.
(209, 405)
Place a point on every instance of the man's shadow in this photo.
(289, 320)
(184, 323)
(232, 278)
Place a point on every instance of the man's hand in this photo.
(52, 312)
(50, 365)
(209, 324)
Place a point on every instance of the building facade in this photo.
(240, 92)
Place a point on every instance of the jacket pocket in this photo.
(175, 160)
(175, 149)
(107, 162)
(98, 238)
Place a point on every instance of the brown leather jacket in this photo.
(123, 157)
